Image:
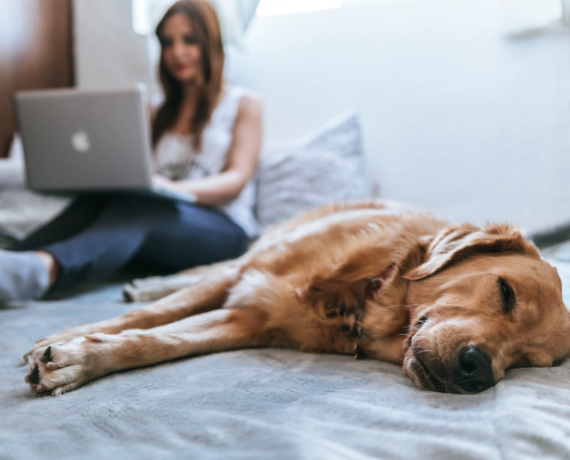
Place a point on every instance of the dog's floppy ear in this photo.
(455, 243)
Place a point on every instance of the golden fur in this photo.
(402, 285)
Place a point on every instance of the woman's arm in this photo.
(242, 159)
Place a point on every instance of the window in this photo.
(147, 13)
(278, 7)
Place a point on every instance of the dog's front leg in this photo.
(208, 294)
(65, 366)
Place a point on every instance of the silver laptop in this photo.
(87, 141)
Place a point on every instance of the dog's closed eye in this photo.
(507, 295)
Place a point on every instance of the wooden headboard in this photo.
(35, 52)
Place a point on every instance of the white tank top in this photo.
(176, 159)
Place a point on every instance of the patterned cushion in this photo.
(324, 167)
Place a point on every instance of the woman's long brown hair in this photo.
(206, 27)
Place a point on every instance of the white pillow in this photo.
(16, 151)
(12, 169)
(324, 167)
(12, 173)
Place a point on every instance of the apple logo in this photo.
(80, 141)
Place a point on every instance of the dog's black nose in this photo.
(473, 372)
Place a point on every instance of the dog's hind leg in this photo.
(64, 367)
(157, 287)
(208, 294)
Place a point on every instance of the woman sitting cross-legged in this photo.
(207, 137)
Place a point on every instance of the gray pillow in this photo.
(324, 167)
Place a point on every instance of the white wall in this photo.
(108, 54)
(458, 117)
(460, 114)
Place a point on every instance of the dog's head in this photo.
(483, 301)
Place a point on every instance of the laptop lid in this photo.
(85, 140)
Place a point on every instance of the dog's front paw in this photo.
(64, 366)
(54, 339)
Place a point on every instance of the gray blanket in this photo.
(267, 404)
(22, 211)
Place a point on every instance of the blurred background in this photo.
(464, 104)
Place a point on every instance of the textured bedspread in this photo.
(268, 404)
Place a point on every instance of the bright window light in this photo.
(147, 13)
(277, 7)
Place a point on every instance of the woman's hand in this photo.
(242, 161)
(164, 183)
(182, 188)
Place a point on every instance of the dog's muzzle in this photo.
(469, 372)
(473, 372)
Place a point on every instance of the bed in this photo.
(265, 403)
(268, 403)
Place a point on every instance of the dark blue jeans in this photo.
(98, 235)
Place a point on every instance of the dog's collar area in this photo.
(359, 352)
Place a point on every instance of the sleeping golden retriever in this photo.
(456, 305)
